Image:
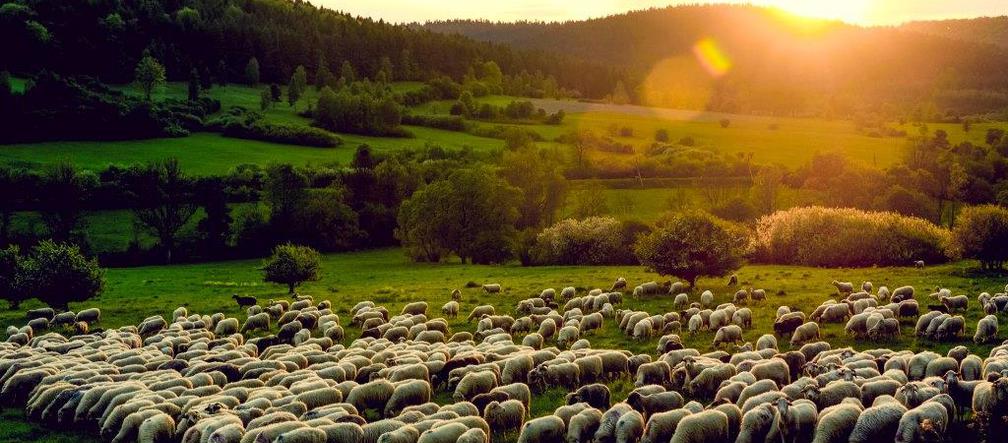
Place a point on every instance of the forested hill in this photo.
(778, 63)
(989, 30)
(218, 37)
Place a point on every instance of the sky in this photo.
(862, 12)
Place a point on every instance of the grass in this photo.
(389, 279)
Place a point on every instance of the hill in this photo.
(761, 60)
(987, 30)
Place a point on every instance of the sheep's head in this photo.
(951, 377)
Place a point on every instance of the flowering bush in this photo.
(591, 241)
(818, 236)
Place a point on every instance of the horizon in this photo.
(857, 12)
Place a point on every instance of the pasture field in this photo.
(388, 278)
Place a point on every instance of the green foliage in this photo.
(164, 202)
(818, 236)
(737, 209)
(12, 276)
(360, 109)
(539, 176)
(57, 274)
(471, 213)
(252, 72)
(981, 233)
(661, 135)
(194, 87)
(64, 193)
(149, 74)
(692, 244)
(906, 202)
(283, 133)
(297, 86)
(292, 265)
(265, 99)
(591, 241)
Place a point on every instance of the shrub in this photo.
(283, 133)
(661, 136)
(725, 122)
(57, 274)
(691, 244)
(591, 241)
(12, 276)
(906, 202)
(626, 131)
(981, 233)
(292, 265)
(452, 122)
(835, 237)
(737, 209)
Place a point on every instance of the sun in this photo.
(850, 11)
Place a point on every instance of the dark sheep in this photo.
(596, 395)
(244, 301)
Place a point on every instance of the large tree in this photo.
(149, 75)
(164, 202)
(471, 213)
(58, 273)
(539, 175)
(62, 199)
(691, 244)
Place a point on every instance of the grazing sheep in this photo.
(244, 301)
(926, 422)
(618, 285)
(957, 303)
(259, 321)
(986, 330)
(919, 264)
(456, 295)
(479, 311)
(727, 334)
(582, 426)
(805, 333)
(91, 315)
(630, 427)
(450, 309)
(505, 416)
(546, 429)
(732, 280)
(844, 288)
(596, 395)
(837, 423)
(703, 427)
(492, 288)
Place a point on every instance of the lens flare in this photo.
(710, 56)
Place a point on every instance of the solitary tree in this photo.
(57, 274)
(149, 75)
(195, 85)
(215, 228)
(164, 202)
(252, 72)
(322, 74)
(291, 265)
(298, 83)
(691, 244)
(265, 99)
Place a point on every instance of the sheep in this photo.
(986, 330)
(757, 294)
(843, 287)
(727, 334)
(596, 395)
(226, 327)
(415, 308)
(926, 422)
(837, 423)
(740, 296)
(797, 419)
(619, 284)
(567, 336)
(630, 427)
(878, 423)
(46, 313)
(568, 293)
(705, 384)
(743, 318)
(681, 301)
(703, 427)
(244, 301)
(788, 323)
(91, 315)
(759, 424)
(259, 321)
(805, 333)
(732, 280)
(654, 403)
(479, 311)
(407, 393)
(542, 430)
(959, 302)
(492, 288)
(919, 264)
(505, 416)
(473, 383)
(582, 426)
(450, 309)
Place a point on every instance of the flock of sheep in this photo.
(212, 378)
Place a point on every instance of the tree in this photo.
(471, 213)
(981, 233)
(766, 188)
(149, 75)
(285, 191)
(12, 276)
(275, 92)
(322, 74)
(57, 274)
(385, 70)
(265, 99)
(64, 191)
(326, 222)
(661, 135)
(298, 83)
(347, 73)
(291, 265)
(994, 135)
(164, 202)
(12, 195)
(620, 96)
(906, 202)
(194, 85)
(691, 244)
(252, 72)
(222, 73)
(215, 228)
(539, 175)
